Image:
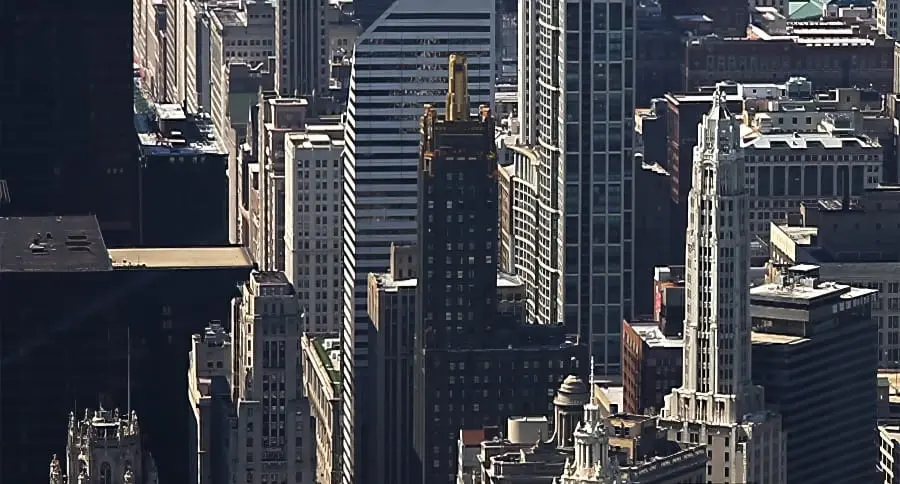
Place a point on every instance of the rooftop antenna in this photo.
(591, 381)
(592, 396)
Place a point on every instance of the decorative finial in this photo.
(719, 97)
(55, 471)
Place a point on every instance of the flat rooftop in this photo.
(654, 337)
(474, 437)
(270, 277)
(701, 97)
(774, 339)
(817, 33)
(892, 431)
(892, 377)
(802, 141)
(504, 281)
(52, 244)
(802, 292)
(655, 168)
(147, 118)
(318, 137)
(325, 357)
(799, 234)
(230, 17)
(181, 258)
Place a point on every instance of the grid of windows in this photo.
(577, 118)
(388, 90)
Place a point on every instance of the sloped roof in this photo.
(805, 9)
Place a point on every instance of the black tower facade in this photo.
(75, 312)
(67, 131)
(457, 221)
(472, 365)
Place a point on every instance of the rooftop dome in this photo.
(572, 392)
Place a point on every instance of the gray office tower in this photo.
(815, 350)
(399, 65)
(576, 104)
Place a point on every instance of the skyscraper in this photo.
(301, 47)
(815, 349)
(468, 357)
(457, 220)
(273, 420)
(399, 65)
(717, 403)
(576, 101)
(67, 134)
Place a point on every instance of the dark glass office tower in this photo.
(66, 128)
(472, 365)
(815, 351)
(457, 220)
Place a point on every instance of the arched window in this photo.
(105, 473)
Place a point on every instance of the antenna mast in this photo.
(591, 381)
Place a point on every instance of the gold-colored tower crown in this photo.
(458, 92)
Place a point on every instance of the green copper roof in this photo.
(811, 9)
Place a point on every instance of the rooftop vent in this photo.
(40, 244)
(78, 242)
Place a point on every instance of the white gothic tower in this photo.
(717, 404)
(104, 448)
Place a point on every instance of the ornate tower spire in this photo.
(717, 330)
(55, 471)
(717, 403)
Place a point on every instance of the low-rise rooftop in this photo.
(52, 244)
(650, 333)
(387, 282)
(318, 137)
(802, 141)
(775, 339)
(328, 351)
(230, 17)
(701, 97)
(181, 258)
(803, 292)
(800, 235)
(167, 130)
(270, 277)
(892, 431)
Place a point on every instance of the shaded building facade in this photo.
(99, 305)
(652, 204)
(830, 53)
(651, 366)
(461, 339)
(814, 349)
(685, 111)
(184, 189)
(67, 85)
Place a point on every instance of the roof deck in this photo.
(181, 258)
(52, 244)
